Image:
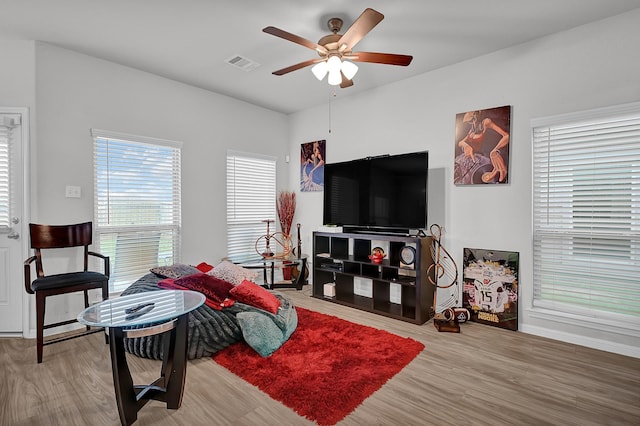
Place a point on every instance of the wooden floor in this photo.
(482, 376)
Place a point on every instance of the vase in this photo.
(287, 246)
(287, 273)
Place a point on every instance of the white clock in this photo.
(408, 257)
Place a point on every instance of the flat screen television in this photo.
(385, 193)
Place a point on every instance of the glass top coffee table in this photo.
(145, 314)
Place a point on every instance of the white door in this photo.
(13, 140)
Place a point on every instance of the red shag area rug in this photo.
(326, 368)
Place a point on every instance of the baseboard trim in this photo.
(10, 335)
(31, 333)
(590, 342)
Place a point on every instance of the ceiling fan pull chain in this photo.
(333, 95)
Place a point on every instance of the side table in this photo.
(145, 314)
(268, 265)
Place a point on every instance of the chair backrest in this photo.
(60, 236)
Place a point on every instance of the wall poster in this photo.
(312, 155)
(482, 146)
(490, 289)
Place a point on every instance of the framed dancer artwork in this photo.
(312, 158)
(482, 146)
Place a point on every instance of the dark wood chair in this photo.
(62, 237)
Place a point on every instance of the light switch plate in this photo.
(73, 191)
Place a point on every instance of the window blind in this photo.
(251, 199)
(137, 200)
(9, 130)
(7, 126)
(586, 213)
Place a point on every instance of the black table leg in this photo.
(175, 371)
(273, 280)
(301, 279)
(122, 381)
(169, 387)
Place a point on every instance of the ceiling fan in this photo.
(336, 50)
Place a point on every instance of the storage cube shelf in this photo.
(395, 291)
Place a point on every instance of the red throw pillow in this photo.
(204, 267)
(166, 283)
(253, 295)
(212, 287)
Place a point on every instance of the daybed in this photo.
(211, 330)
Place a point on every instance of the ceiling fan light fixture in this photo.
(349, 69)
(334, 77)
(334, 64)
(320, 70)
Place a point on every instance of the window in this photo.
(8, 125)
(137, 204)
(586, 214)
(251, 199)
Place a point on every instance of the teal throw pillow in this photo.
(260, 332)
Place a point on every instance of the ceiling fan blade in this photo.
(345, 81)
(380, 58)
(360, 27)
(297, 66)
(296, 39)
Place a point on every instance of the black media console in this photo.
(343, 273)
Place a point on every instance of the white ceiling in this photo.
(189, 40)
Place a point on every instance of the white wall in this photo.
(587, 67)
(76, 93)
(17, 82)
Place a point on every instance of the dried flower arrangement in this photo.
(286, 206)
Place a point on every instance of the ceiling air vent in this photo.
(243, 63)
